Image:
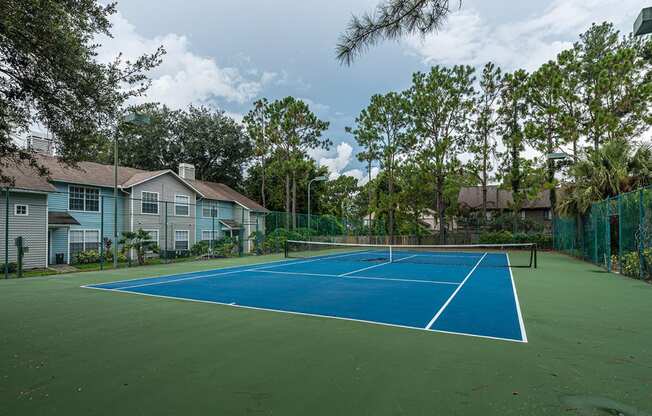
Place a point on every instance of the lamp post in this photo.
(553, 158)
(136, 120)
(317, 179)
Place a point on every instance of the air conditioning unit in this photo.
(40, 144)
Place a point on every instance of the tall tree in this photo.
(146, 146)
(513, 108)
(257, 121)
(384, 127)
(294, 129)
(570, 100)
(391, 20)
(544, 129)
(368, 156)
(336, 196)
(215, 143)
(49, 75)
(482, 142)
(415, 194)
(616, 83)
(209, 139)
(440, 104)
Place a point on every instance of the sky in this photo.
(227, 54)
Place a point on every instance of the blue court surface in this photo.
(474, 295)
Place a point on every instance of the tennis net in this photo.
(487, 255)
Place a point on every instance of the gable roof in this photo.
(221, 192)
(25, 177)
(145, 176)
(97, 174)
(471, 197)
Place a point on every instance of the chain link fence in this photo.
(90, 229)
(615, 234)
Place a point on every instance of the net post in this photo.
(165, 224)
(6, 265)
(101, 232)
(608, 234)
(285, 249)
(620, 235)
(640, 233)
(391, 254)
(535, 248)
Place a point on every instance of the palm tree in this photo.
(140, 241)
(616, 167)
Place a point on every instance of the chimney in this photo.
(187, 171)
(40, 144)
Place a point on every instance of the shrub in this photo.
(632, 265)
(87, 257)
(200, 248)
(13, 267)
(224, 247)
(496, 237)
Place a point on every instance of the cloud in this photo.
(341, 160)
(361, 176)
(184, 77)
(469, 39)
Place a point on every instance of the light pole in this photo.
(317, 179)
(136, 120)
(553, 158)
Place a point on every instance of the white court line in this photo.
(518, 304)
(365, 268)
(314, 259)
(374, 266)
(450, 299)
(234, 305)
(356, 277)
(193, 276)
(408, 257)
(284, 261)
(183, 279)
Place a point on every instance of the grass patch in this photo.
(73, 351)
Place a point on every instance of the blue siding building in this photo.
(175, 208)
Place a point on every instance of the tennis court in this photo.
(466, 290)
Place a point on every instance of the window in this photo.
(84, 199)
(76, 242)
(153, 235)
(149, 202)
(209, 210)
(549, 214)
(83, 240)
(208, 235)
(522, 214)
(182, 205)
(181, 239)
(92, 240)
(21, 210)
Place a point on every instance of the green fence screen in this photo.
(615, 233)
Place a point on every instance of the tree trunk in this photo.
(441, 209)
(287, 201)
(485, 155)
(294, 201)
(262, 183)
(390, 227)
(369, 202)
